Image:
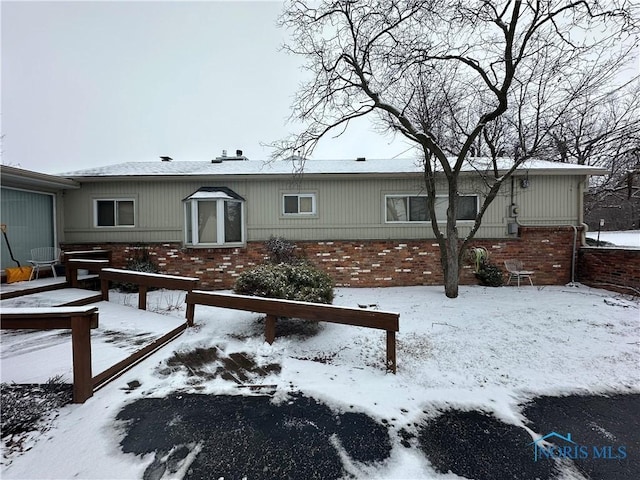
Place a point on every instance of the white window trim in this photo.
(195, 241)
(422, 222)
(314, 204)
(124, 199)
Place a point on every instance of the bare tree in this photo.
(447, 75)
(602, 130)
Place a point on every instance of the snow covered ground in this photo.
(627, 238)
(490, 349)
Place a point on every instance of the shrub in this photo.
(281, 250)
(141, 262)
(301, 281)
(490, 275)
(25, 406)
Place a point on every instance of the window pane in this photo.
(418, 209)
(290, 204)
(125, 212)
(396, 209)
(207, 222)
(106, 213)
(467, 208)
(306, 205)
(189, 226)
(232, 222)
(442, 203)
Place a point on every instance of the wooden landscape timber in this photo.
(79, 319)
(318, 312)
(92, 260)
(144, 281)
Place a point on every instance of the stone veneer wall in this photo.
(616, 269)
(376, 263)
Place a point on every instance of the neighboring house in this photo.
(31, 205)
(364, 221)
(618, 207)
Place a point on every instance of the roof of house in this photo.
(28, 179)
(400, 166)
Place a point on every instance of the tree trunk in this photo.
(451, 259)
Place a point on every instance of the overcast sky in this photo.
(95, 83)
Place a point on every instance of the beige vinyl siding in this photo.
(159, 210)
(347, 209)
(550, 199)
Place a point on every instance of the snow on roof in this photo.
(310, 167)
(215, 192)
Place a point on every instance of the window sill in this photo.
(215, 245)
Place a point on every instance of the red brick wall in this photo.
(614, 269)
(378, 263)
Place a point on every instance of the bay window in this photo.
(214, 216)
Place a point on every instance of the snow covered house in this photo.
(364, 221)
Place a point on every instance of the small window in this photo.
(299, 204)
(405, 208)
(114, 213)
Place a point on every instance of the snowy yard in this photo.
(628, 238)
(491, 349)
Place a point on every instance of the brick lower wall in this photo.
(616, 269)
(377, 263)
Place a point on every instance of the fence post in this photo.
(142, 297)
(191, 307)
(81, 348)
(104, 289)
(270, 329)
(391, 351)
(72, 274)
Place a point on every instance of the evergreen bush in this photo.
(300, 281)
(490, 275)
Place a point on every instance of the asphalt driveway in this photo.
(206, 436)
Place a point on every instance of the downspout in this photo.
(575, 232)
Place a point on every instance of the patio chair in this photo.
(517, 271)
(44, 257)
